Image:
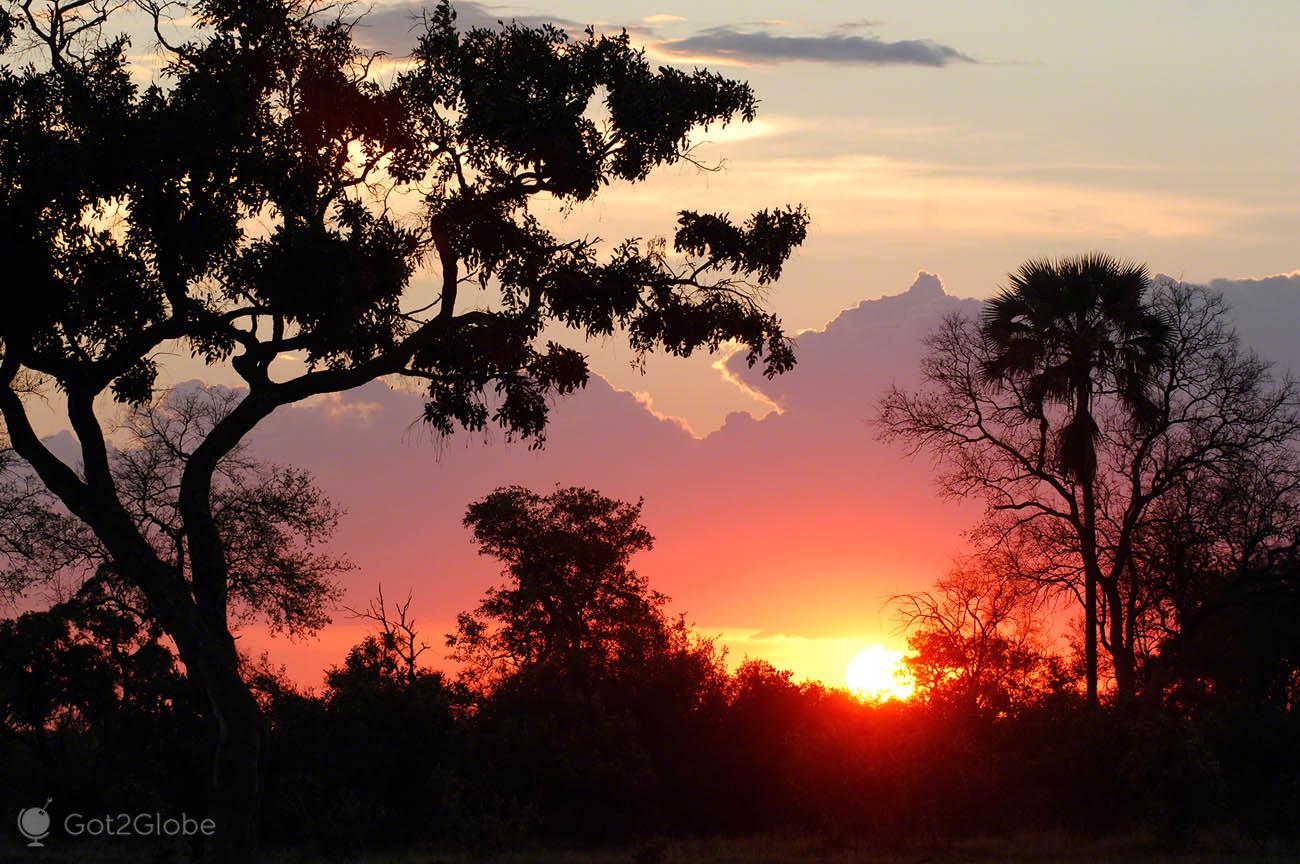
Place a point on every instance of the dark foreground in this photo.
(752, 850)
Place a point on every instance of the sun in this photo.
(877, 674)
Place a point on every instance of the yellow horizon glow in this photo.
(877, 674)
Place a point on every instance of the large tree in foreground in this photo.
(276, 202)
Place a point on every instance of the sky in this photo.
(963, 138)
(953, 138)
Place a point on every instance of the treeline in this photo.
(586, 713)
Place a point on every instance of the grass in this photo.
(751, 850)
(815, 850)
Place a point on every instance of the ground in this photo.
(754, 850)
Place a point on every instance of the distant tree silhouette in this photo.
(95, 656)
(93, 702)
(271, 199)
(1217, 557)
(571, 602)
(975, 641)
(1213, 408)
(393, 652)
(585, 691)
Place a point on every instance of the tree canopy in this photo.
(281, 201)
(571, 602)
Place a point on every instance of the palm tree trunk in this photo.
(1086, 474)
(1091, 571)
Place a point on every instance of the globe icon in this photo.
(34, 823)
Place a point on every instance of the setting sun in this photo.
(877, 674)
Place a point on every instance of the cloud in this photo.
(782, 535)
(799, 523)
(662, 19)
(729, 44)
(647, 401)
(1266, 310)
(854, 194)
(395, 27)
(854, 26)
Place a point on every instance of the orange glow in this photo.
(877, 674)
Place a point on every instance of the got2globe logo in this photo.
(34, 824)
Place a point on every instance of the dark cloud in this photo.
(1266, 310)
(840, 47)
(394, 27)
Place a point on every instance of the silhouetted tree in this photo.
(589, 697)
(1212, 407)
(975, 641)
(272, 519)
(93, 705)
(274, 199)
(1218, 559)
(393, 652)
(1066, 332)
(571, 603)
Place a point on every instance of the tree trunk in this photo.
(202, 640)
(236, 788)
(1088, 547)
(1121, 649)
(1090, 569)
(236, 725)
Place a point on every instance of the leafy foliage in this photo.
(571, 602)
(244, 207)
(1063, 329)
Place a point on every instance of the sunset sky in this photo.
(953, 138)
(962, 138)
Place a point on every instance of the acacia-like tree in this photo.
(282, 202)
(571, 603)
(1062, 332)
(1214, 410)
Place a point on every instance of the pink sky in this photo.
(783, 535)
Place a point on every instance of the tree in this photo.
(1212, 408)
(1217, 557)
(272, 520)
(389, 722)
(587, 697)
(95, 707)
(391, 654)
(975, 643)
(1061, 332)
(275, 199)
(571, 603)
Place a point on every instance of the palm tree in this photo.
(1065, 332)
